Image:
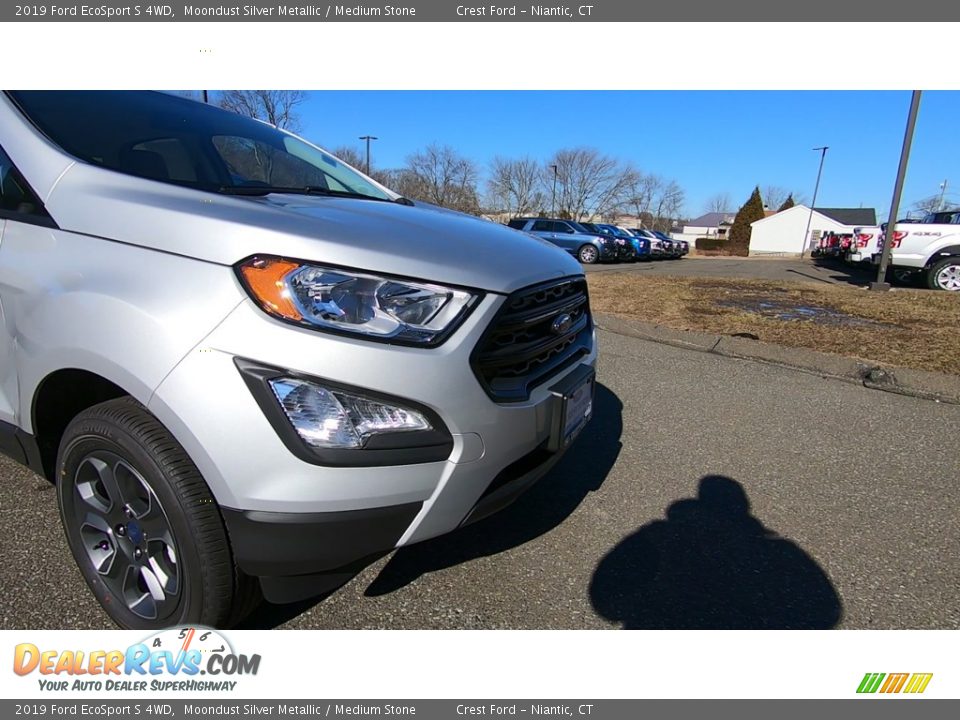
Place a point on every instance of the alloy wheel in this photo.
(948, 277)
(126, 535)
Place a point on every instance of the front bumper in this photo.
(301, 526)
(609, 252)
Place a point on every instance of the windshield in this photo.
(615, 231)
(183, 142)
(580, 228)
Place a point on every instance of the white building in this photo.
(783, 233)
(713, 224)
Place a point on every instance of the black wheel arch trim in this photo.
(942, 254)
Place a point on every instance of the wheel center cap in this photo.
(134, 531)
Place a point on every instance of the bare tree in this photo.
(277, 107)
(516, 186)
(641, 194)
(439, 175)
(668, 206)
(928, 204)
(589, 183)
(774, 196)
(351, 156)
(719, 203)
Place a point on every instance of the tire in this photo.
(588, 254)
(142, 524)
(944, 275)
(905, 277)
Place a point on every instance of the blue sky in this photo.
(709, 141)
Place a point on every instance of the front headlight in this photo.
(352, 302)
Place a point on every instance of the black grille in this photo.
(523, 348)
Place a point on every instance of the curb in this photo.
(903, 381)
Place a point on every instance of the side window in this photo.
(17, 200)
(563, 228)
(517, 224)
(542, 226)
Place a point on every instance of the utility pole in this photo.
(881, 283)
(368, 138)
(553, 204)
(943, 191)
(813, 203)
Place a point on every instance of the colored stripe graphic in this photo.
(870, 682)
(894, 683)
(918, 682)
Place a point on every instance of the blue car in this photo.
(640, 245)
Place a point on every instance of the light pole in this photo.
(368, 138)
(943, 191)
(881, 282)
(813, 203)
(553, 203)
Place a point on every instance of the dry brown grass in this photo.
(909, 328)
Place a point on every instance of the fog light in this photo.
(326, 418)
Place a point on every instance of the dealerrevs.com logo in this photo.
(170, 660)
(892, 683)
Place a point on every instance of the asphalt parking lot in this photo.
(708, 492)
(775, 269)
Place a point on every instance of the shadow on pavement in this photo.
(542, 508)
(843, 272)
(712, 565)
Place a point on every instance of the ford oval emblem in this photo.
(561, 324)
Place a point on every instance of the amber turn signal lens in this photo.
(264, 278)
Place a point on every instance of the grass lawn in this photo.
(909, 328)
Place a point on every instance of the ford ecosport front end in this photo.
(246, 366)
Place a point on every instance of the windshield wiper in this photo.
(261, 190)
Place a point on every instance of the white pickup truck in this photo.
(928, 251)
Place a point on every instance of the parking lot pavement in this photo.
(756, 268)
(706, 492)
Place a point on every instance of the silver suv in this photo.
(588, 247)
(249, 368)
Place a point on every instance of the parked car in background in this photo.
(626, 251)
(930, 248)
(682, 245)
(641, 244)
(660, 248)
(588, 247)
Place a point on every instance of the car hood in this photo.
(422, 242)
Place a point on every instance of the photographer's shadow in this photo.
(712, 565)
(546, 505)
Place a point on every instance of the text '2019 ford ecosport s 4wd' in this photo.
(247, 367)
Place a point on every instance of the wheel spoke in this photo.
(160, 566)
(107, 480)
(154, 524)
(115, 572)
(97, 540)
(94, 484)
(133, 489)
(137, 594)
